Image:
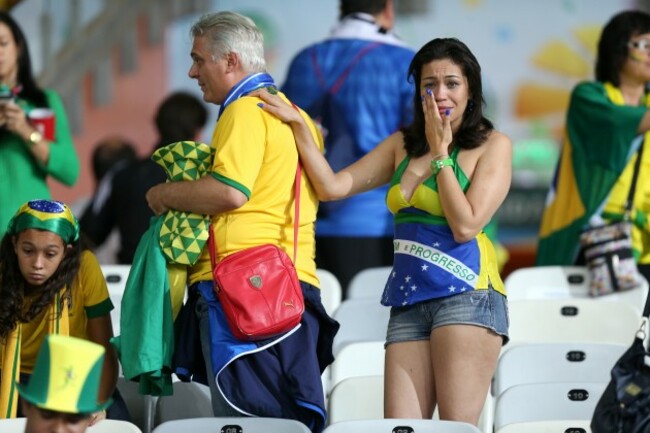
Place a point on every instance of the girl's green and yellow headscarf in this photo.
(49, 215)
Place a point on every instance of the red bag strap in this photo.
(296, 211)
(296, 205)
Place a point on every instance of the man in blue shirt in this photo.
(354, 83)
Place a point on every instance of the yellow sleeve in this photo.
(91, 282)
(239, 141)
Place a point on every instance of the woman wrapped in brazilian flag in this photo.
(607, 121)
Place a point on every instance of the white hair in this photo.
(229, 32)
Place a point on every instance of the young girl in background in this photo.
(49, 285)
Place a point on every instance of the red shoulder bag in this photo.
(259, 288)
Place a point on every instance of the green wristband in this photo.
(439, 164)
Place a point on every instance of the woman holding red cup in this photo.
(35, 140)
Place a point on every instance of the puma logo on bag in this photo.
(256, 281)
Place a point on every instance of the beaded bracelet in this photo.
(439, 164)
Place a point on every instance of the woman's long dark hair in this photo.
(30, 90)
(13, 288)
(612, 46)
(474, 128)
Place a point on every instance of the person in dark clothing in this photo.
(111, 154)
(181, 116)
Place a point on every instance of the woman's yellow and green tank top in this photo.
(428, 262)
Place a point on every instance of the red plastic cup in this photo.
(43, 120)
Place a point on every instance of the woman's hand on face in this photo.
(277, 106)
(437, 126)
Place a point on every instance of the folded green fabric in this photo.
(146, 343)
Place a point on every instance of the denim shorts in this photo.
(485, 308)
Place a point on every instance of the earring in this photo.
(470, 105)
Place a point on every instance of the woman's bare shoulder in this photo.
(396, 138)
(497, 143)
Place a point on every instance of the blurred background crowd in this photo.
(113, 63)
